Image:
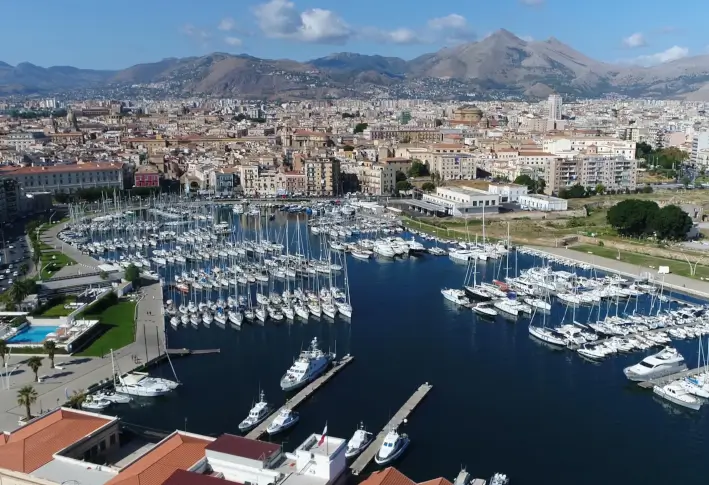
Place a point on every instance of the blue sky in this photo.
(112, 35)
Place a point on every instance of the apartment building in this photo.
(614, 173)
(222, 180)
(376, 178)
(322, 177)
(453, 166)
(67, 178)
(572, 146)
(248, 175)
(404, 135)
(24, 140)
(700, 148)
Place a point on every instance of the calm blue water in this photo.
(501, 401)
(33, 335)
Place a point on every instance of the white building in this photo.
(544, 203)
(463, 201)
(700, 146)
(508, 192)
(67, 178)
(554, 104)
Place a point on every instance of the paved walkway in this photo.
(681, 283)
(84, 263)
(79, 373)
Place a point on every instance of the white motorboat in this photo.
(456, 296)
(364, 256)
(538, 304)
(359, 441)
(141, 384)
(309, 365)
(674, 393)
(665, 362)
(696, 385)
(393, 446)
(257, 415)
(285, 419)
(93, 404)
(484, 310)
(112, 397)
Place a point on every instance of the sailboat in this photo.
(141, 383)
(544, 334)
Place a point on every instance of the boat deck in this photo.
(304, 393)
(661, 381)
(368, 454)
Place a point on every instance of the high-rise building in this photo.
(700, 148)
(554, 104)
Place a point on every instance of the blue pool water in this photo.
(32, 335)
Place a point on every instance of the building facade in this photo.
(463, 201)
(544, 203)
(146, 176)
(67, 178)
(322, 177)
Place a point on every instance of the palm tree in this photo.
(35, 363)
(50, 346)
(76, 399)
(3, 350)
(17, 292)
(27, 396)
(24, 268)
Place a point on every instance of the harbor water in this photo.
(501, 401)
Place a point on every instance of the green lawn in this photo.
(58, 310)
(53, 261)
(118, 329)
(676, 267)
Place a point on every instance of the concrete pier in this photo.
(672, 377)
(368, 454)
(302, 395)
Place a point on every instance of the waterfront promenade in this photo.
(683, 284)
(84, 263)
(78, 373)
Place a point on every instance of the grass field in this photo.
(118, 329)
(58, 310)
(676, 267)
(52, 261)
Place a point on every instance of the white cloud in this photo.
(191, 31)
(668, 55)
(233, 41)
(532, 3)
(635, 40)
(280, 19)
(452, 28)
(227, 24)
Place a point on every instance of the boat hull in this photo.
(384, 461)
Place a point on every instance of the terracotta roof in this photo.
(84, 167)
(178, 452)
(436, 481)
(183, 477)
(244, 447)
(536, 154)
(388, 476)
(33, 445)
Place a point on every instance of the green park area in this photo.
(116, 325)
(52, 261)
(58, 307)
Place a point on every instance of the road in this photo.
(84, 263)
(79, 373)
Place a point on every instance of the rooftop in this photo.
(328, 446)
(179, 451)
(246, 448)
(183, 477)
(35, 444)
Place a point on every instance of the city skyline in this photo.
(306, 29)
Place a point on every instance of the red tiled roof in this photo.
(244, 447)
(33, 445)
(183, 477)
(436, 481)
(178, 452)
(388, 476)
(84, 167)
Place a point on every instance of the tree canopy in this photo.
(403, 185)
(428, 187)
(666, 158)
(638, 218)
(574, 192)
(400, 176)
(132, 274)
(418, 169)
(534, 186)
(360, 127)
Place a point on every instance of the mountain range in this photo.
(500, 63)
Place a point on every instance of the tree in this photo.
(360, 127)
(24, 268)
(132, 274)
(103, 275)
(17, 292)
(51, 347)
(403, 185)
(534, 186)
(35, 363)
(27, 396)
(642, 150)
(3, 350)
(418, 169)
(575, 192)
(633, 217)
(647, 189)
(76, 399)
(600, 188)
(400, 176)
(685, 181)
(428, 187)
(671, 223)
(348, 148)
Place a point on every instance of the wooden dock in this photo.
(368, 454)
(672, 377)
(302, 395)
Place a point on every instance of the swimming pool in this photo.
(32, 335)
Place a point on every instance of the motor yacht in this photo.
(393, 446)
(674, 393)
(285, 419)
(309, 365)
(141, 384)
(485, 310)
(112, 396)
(359, 441)
(258, 413)
(92, 403)
(665, 362)
(456, 296)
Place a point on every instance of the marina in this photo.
(399, 418)
(405, 328)
(305, 393)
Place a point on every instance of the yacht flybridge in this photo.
(310, 364)
(664, 363)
